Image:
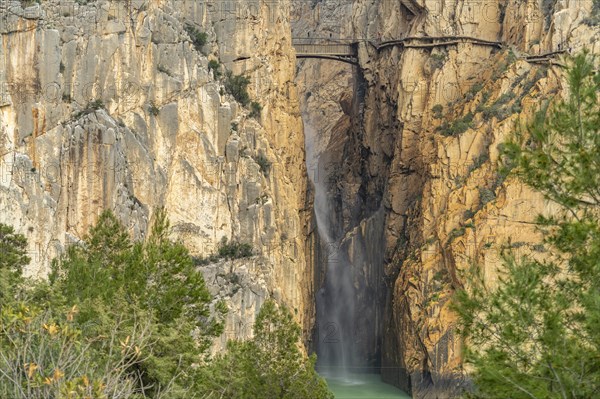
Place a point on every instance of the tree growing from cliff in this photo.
(268, 366)
(537, 333)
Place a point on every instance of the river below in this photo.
(363, 386)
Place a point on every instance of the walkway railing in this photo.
(346, 50)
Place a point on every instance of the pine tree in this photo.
(109, 276)
(537, 334)
(270, 365)
(13, 258)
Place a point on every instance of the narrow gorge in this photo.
(365, 186)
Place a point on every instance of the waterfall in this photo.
(335, 300)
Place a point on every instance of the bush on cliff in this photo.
(237, 86)
(537, 333)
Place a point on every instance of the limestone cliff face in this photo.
(109, 105)
(422, 151)
(433, 121)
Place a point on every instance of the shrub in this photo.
(457, 127)
(29, 3)
(164, 70)
(498, 109)
(594, 18)
(484, 99)
(91, 107)
(437, 60)
(237, 86)
(479, 161)
(199, 39)
(255, 110)
(476, 88)
(226, 250)
(490, 112)
(505, 98)
(547, 10)
(539, 74)
(486, 195)
(503, 66)
(437, 111)
(469, 213)
(263, 163)
(215, 67)
(234, 250)
(153, 109)
(441, 276)
(96, 104)
(454, 234)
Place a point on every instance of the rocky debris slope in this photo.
(112, 105)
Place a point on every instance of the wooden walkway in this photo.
(434, 41)
(346, 50)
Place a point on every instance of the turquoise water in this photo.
(363, 386)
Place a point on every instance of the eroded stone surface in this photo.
(109, 105)
(445, 205)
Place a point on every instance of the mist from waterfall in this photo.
(335, 300)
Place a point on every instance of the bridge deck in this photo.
(343, 50)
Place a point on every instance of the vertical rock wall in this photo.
(422, 151)
(434, 119)
(110, 105)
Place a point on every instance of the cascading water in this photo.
(335, 301)
(348, 256)
(336, 315)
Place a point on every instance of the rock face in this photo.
(422, 151)
(111, 105)
(447, 206)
